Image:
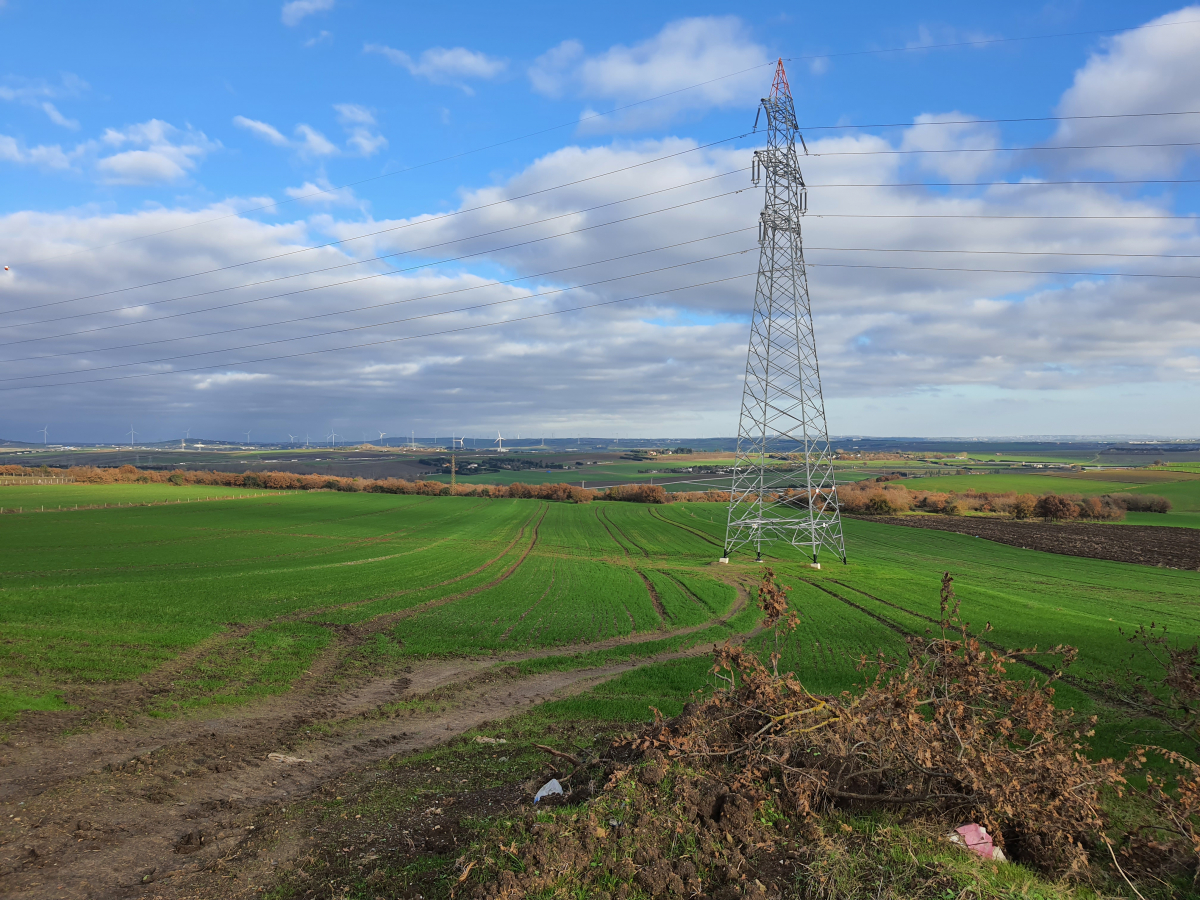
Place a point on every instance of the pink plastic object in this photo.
(977, 840)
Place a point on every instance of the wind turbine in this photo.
(45, 435)
(132, 434)
(306, 441)
(291, 439)
(499, 440)
(332, 437)
(382, 434)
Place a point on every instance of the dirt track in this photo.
(150, 810)
(1148, 545)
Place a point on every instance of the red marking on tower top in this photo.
(780, 85)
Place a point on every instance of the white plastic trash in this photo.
(550, 788)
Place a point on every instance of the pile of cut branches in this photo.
(731, 796)
(950, 731)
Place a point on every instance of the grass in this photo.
(32, 497)
(1184, 494)
(1020, 482)
(252, 590)
(13, 702)
(243, 598)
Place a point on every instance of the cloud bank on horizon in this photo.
(612, 275)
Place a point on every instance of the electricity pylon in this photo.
(783, 482)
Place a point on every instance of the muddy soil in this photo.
(1148, 545)
(152, 809)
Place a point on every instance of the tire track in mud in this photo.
(603, 519)
(687, 591)
(628, 539)
(136, 697)
(535, 605)
(150, 811)
(343, 546)
(688, 528)
(1100, 696)
(457, 578)
(361, 631)
(426, 677)
(663, 618)
(346, 637)
(604, 524)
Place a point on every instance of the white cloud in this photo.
(684, 53)
(159, 153)
(943, 139)
(58, 118)
(940, 36)
(550, 73)
(961, 351)
(353, 114)
(359, 123)
(295, 11)
(312, 143)
(226, 379)
(441, 65)
(1150, 69)
(140, 167)
(320, 38)
(361, 136)
(324, 193)
(48, 157)
(267, 132)
(38, 93)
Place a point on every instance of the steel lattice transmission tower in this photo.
(783, 412)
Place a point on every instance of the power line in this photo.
(517, 299)
(891, 184)
(353, 280)
(1010, 121)
(987, 41)
(1010, 252)
(498, 283)
(1000, 271)
(591, 116)
(1005, 149)
(1189, 218)
(401, 227)
(474, 287)
(557, 187)
(382, 324)
(458, 330)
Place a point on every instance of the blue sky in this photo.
(125, 119)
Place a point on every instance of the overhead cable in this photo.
(341, 312)
(458, 330)
(998, 271)
(422, 265)
(389, 230)
(429, 315)
(443, 216)
(517, 319)
(597, 115)
(1003, 149)
(1188, 218)
(1010, 252)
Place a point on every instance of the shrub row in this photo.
(872, 498)
(290, 481)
